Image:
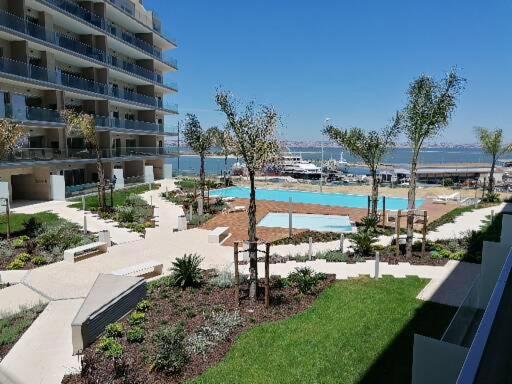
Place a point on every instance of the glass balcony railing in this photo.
(33, 72)
(48, 154)
(34, 30)
(105, 25)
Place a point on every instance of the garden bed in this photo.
(39, 239)
(202, 313)
(12, 327)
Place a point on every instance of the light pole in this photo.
(178, 147)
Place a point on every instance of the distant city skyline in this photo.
(349, 61)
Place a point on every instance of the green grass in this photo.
(13, 326)
(91, 201)
(17, 220)
(357, 331)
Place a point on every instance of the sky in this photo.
(350, 61)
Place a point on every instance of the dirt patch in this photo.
(190, 307)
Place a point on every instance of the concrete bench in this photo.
(84, 250)
(148, 269)
(217, 235)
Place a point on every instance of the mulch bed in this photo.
(171, 306)
(416, 259)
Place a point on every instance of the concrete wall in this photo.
(435, 361)
(149, 176)
(57, 188)
(119, 173)
(4, 194)
(33, 186)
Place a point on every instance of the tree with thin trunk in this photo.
(492, 142)
(371, 147)
(84, 125)
(255, 134)
(430, 106)
(224, 140)
(201, 142)
(11, 137)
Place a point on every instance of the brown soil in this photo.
(171, 306)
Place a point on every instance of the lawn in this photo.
(91, 201)
(18, 219)
(12, 327)
(359, 330)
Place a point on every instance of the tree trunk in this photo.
(101, 181)
(375, 193)
(490, 187)
(201, 177)
(411, 206)
(253, 247)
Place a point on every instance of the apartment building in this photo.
(101, 57)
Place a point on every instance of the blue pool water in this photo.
(328, 199)
(320, 223)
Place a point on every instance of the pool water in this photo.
(320, 223)
(328, 199)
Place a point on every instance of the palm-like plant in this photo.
(224, 140)
(255, 135)
(200, 141)
(370, 147)
(428, 111)
(84, 125)
(186, 271)
(492, 142)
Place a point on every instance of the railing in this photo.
(168, 129)
(105, 25)
(47, 154)
(34, 30)
(57, 77)
(43, 114)
(169, 107)
(464, 324)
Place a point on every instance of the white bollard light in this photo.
(377, 261)
(310, 252)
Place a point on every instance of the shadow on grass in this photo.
(394, 365)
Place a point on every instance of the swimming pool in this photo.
(328, 199)
(320, 223)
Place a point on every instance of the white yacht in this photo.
(293, 165)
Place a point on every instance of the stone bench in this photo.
(148, 269)
(217, 235)
(84, 250)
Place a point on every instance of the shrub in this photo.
(135, 335)
(459, 255)
(39, 261)
(305, 279)
(23, 257)
(186, 271)
(492, 197)
(223, 279)
(216, 329)
(18, 243)
(137, 318)
(16, 264)
(125, 214)
(60, 237)
(333, 256)
(114, 330)
(170, 354)
(111, 348)
(143, 306)
(363, 242)
(370, 222)
(32, 227)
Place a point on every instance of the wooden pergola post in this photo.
(267, 275)
(384, 211)
(424, 233)
(398, 218)
(369, 202)
(237, 275)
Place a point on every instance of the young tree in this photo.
(370, 147)
(84, 125)
(492, 142)
(11, 136)
(224, 140)
(200, 141)
(428, 111)
(255, 134)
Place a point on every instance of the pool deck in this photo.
(238, 221)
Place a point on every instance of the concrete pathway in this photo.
(44, 353)
(15, 298)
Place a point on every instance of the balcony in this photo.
(36, 31)
(103, 24)
(52, 154)
(32, 72)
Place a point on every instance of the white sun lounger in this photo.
(443, 199)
